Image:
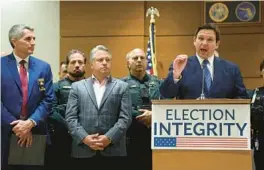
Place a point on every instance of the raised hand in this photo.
(179, 64)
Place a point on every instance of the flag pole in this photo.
(152, 36)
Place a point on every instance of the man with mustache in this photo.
(222, 79)
(143, 88)
(59, 154)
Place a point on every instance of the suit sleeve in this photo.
(240, 90)
(76, 129)
(57, 108)
(124, 120)
(168, 88)
(44, 108)
(6, 116)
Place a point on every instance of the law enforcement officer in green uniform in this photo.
(143, 88)
(61, 139)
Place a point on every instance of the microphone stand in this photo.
(202, 96)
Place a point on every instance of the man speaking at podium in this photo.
(204, 75)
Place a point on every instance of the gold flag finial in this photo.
(152, 38)
(152, 12)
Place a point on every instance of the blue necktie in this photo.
(207, 76)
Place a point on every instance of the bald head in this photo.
(137, 62)
(134, 52)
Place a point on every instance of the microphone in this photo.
(202, 96)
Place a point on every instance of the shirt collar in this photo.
(210, 60)
(18, 59)
(145, 78)
(95, 79)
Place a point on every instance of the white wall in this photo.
(44, 17)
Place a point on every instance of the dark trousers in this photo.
(24, 167)
(259, 154)
(259, 160)
(59, 153)
(139, 153)
(100, 162)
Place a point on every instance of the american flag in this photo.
(201, 142)
(151, 51)
(149, 60)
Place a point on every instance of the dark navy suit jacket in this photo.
(227, 81)
(39, 102)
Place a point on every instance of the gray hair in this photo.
(98, 48)
(16, 32)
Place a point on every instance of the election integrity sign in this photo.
(201, 126)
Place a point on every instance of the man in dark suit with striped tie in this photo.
(203, 75)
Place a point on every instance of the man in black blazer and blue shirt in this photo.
(205, 74)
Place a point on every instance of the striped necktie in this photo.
(207, 76)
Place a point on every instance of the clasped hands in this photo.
(96, 141)
(145, 117)
(22, 129)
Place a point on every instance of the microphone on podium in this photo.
(202, 96)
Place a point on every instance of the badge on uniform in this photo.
(133, 86)
(152, 83)
(66, 87)
(41, 84)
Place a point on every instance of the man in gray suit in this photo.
(98, 115)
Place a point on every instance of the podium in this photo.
(192, 153)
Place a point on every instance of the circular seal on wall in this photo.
(245, 11)
(218, 12)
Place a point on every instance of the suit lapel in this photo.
(217, 73)
(32, 75)
(108, 89)
(89, 87)
(12, 65)
(197, 72)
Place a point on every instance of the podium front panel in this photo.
(201, 135)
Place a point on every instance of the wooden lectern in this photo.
(173, 159)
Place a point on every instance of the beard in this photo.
(77, 74)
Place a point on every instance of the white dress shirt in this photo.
(18, 64)
(99, 89)
(210, 65)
